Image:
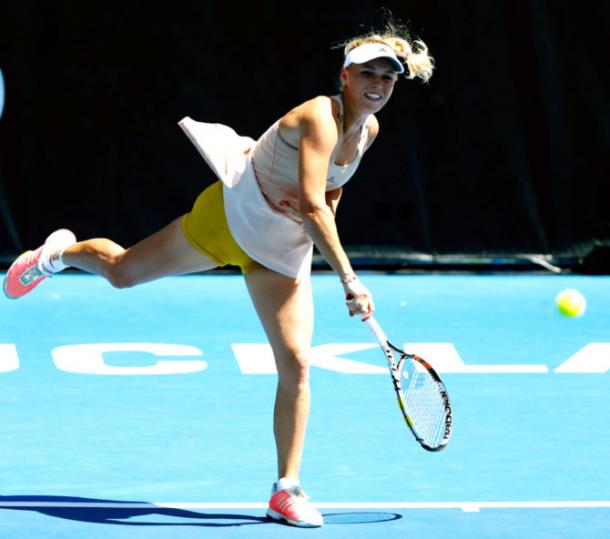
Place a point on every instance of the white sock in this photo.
(52, 262)
(286, 482)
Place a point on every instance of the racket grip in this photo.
(376, 330)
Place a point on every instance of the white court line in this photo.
(468, 507)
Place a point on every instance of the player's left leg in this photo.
(27, 271)
(166, 252)
(285, 308)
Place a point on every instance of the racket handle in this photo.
(376, 330)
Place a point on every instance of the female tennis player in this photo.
(275, 198)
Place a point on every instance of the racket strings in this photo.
(424, 402)
(426, 409)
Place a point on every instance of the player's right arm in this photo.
(318, 136)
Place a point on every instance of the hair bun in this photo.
(396, 36)
(400, 46)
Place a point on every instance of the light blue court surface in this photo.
(147, 412)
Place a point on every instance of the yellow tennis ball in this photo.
(571, 302)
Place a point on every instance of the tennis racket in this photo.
(422, 396)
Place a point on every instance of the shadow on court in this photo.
(77, 509)
(86, 510)
(367, 517)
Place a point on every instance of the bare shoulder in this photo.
(318, 117)
(318, 108)
(321, 107)
(373, 125)
(373, 130)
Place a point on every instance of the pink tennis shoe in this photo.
(27, 272)
(292, 505)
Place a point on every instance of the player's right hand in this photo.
(357, 298)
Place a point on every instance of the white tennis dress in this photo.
(260, 188)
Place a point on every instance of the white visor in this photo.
(370, 51)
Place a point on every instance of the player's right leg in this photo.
(285, 308)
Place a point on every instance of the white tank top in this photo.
(260, 188)
(275, 163)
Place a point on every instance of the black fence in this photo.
(503, 158)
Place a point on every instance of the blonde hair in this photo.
(414, 54)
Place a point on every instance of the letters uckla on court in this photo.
(257, 359)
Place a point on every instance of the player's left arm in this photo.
(373, 131)
(333, 197)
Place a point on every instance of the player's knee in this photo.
(117, 275)
(293, 369)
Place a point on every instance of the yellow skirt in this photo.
(206, 229)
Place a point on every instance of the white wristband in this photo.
(354, 287)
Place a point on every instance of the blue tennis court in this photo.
(147, 412)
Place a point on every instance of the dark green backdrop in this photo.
(506, 151)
